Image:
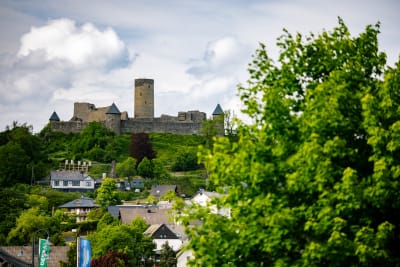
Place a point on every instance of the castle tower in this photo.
(218, 118)
(54, 117)
(144, 98)
(113, 119)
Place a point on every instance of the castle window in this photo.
(148, 86)
(140, 93)
(145, 102)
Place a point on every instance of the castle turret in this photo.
(144, 98)
(218, 118)
(54, 117)
(113, 119)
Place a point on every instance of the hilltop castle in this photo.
(189, 122)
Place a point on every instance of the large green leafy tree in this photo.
(127, 168)
(127, 239)
(145, 168)
(20, 155)
(107, 193)
(314, 181)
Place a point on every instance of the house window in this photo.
(75, 183)
(56, 183)
(65, 183)
(88, 183)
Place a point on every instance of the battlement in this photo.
(186, 122)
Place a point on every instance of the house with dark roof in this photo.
(161, 234)
(158, 191)
(80, 207)
(71, 181)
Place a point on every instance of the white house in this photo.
(161, 234)
(71, 181)
(203, 198)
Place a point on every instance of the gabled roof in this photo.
(54, 117)
(70, 175)
(160, 231)
(113, 109)
(114, 210)
(150, 215)
(82, 202)
(160, 190)
(218, 110)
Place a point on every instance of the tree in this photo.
(127, 168)
(27, 223)
(230, 124)
(95, 134)
(159, 170)
(145, 168)
(169, 195)
(15, 164)
(185, 161)
(12, 204)
(127, 239)
(107, 193)
(112, 258)
(210, 130)
(167, 256)
(141, 147)
(314, 181)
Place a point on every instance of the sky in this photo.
(55, 53)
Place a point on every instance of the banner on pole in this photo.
(84, 253)
(44, 251)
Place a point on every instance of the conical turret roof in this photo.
(218, 110)
(113, 110)
(54, 117)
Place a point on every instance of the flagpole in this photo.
(77, 251)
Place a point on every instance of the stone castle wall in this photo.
(67, 127)
(189, 122)
(157, 125)
(185, 123)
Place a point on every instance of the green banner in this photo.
(44, 251)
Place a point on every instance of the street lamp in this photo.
(33, 244)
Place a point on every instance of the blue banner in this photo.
(84, 253)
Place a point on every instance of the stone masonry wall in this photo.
(159, 126)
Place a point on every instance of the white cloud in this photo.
(58, 64)
(62, 40)
(222, 56)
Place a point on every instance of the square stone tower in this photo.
(144, 98)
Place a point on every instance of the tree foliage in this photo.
(145, 168)
(314, 181)
(112, 259)
(127, 168)
(141, 147)
(127, 239)
(20, 155)
(107, 193)
(185, 161)
(167, 256)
